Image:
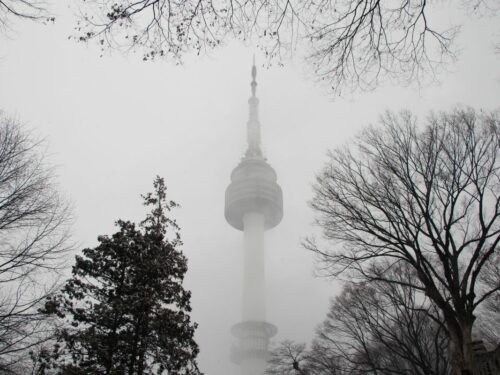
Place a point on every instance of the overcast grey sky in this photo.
(114, 123)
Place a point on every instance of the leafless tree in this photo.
(373, 328)
(351, 44)
(33, 241)
(386, 328)
(33, 10)
(288, 359)
(425, 197)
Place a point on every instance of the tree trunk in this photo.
(113, 339)
(460, 350)
(133, 354)
(143, 347)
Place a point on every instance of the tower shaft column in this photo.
(254, 278)
(253, 366)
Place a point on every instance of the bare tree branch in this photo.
(351, 44)
(33, 10)
(429, 198)
(372, 328)
(33, 241)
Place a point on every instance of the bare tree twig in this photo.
(33, 241)
(428, 198)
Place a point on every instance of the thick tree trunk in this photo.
(461, 358)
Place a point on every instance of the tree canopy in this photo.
(125, 310)
(351, 45)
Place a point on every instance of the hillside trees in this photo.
(387, 328)
(372, 328)
(427, 198)
(33, 241)
(350, 44)
(125, 308)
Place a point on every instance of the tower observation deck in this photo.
(254, 204)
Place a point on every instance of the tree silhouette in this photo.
(428, 198)
(33, 241)
(125, 307)
(372, 328)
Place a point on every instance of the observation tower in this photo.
(254, 204)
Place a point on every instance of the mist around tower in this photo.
(335, 215)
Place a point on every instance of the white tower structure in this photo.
(254, 204)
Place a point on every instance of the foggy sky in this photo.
(114, 123)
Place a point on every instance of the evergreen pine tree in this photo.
(126, 309)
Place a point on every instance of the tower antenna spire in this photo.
(253, 125)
